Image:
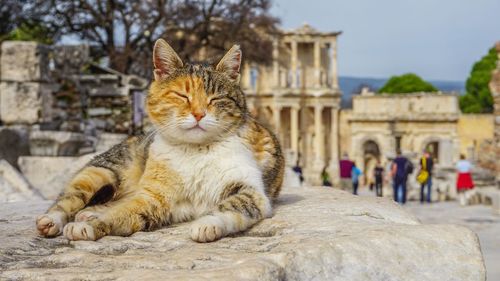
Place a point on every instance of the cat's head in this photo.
(195, 103)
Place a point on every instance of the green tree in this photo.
(32, 31)
(477, 98)
(406, 83)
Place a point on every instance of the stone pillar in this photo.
(277, 120)
(317, 64)
(293, 64)
(245, 77)
(294, 131)
(319, 138)
(334, 144)
(276, 65)
(333, 64)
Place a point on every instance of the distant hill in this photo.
(352, 85)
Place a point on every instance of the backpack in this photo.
(409, 167)
(423, 176)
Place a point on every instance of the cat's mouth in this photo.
(197, 127)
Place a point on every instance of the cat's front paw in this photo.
(208, 229)
(79, 231)
(50, 224)
(86, 216)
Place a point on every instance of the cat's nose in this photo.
(198, 115)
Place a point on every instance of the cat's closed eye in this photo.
(180, 95)
(215, 99)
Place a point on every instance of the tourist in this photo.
(425, 176)
(378, 174)
(325, 176)
(401, 167)
(355, 173)
(345, 172)
(464, 179)
(298, 170)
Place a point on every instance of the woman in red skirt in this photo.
(464, 179)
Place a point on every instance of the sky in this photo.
(436, 39)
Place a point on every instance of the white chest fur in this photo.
(206, 171)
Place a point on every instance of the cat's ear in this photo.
(165, 60)
(230, 63)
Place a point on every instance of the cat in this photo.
(207, 161)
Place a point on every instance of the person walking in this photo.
(378, 174)
(401, 167)
(464, 179)
(425, 177)
(355, 174)
(345, 166)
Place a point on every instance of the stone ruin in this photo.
(54, 101)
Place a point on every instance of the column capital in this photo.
(319, 107)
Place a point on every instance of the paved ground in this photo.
(478, 218)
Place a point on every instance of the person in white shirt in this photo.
(464, 178)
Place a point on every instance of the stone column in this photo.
(276, 65)
(317, 64)
(333, 63)
(277, 120)
(318, 133)
(293, 64)
(294, 131)
(334, 144)
(245, 77)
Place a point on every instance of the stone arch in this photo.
(371, 155)
(432, 145)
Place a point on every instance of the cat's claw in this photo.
(50, 224)
(79, 231)
(207, 229)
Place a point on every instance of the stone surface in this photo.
(14, 142)
(57, 143)
(25, 102)
(315, 234)
(14, 186)
(107, 140)
(478, 218)
(56, 172)
(23, 61)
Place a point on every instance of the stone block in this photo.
(25, 103)
(56, 172)
(14, 186)
(57, 143)
(314, 234)
(24, 62)
(14, 142)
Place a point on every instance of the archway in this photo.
(433, 149)
(371, 155)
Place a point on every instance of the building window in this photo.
(398, 143)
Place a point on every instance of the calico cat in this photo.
(207, 160)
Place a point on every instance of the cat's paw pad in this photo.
(50, 224)
(85, 216)
(79, 231)
(208, 229)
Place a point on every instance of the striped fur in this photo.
(206, 161)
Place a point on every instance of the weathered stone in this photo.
(23, 61)
(14, 142)
(107, 140)
(56, 172)
(14, 186)
(57, 143)
(25, 103)
(315, 234)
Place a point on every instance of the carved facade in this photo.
(299, 92)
